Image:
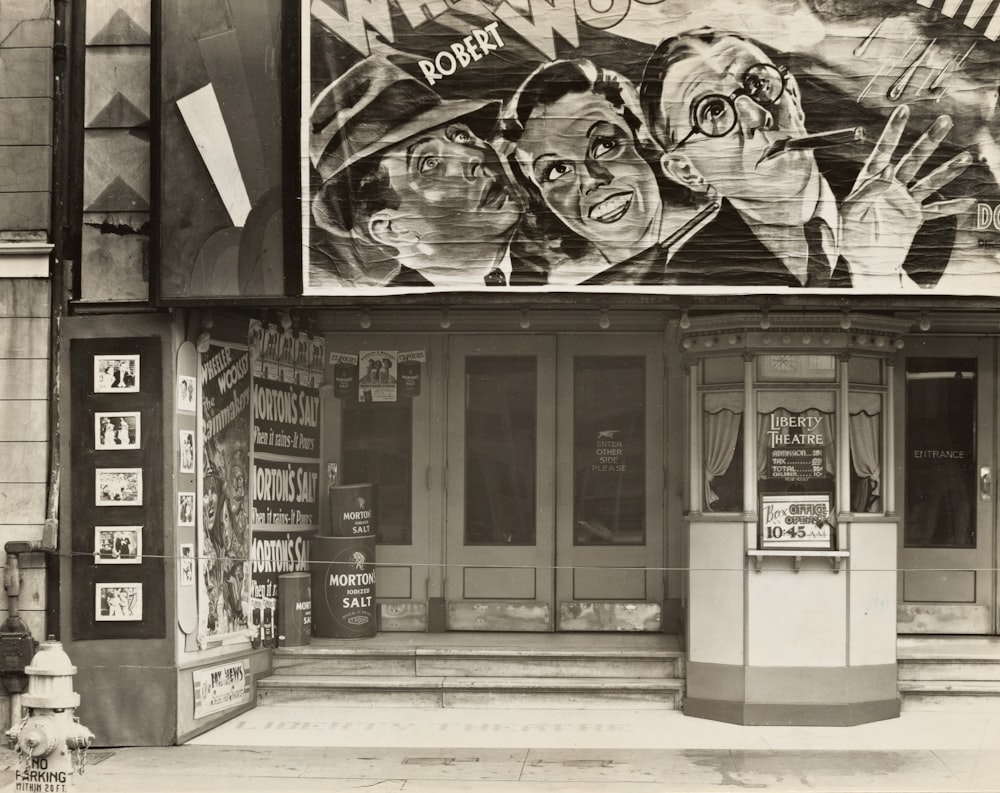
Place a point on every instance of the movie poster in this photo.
(286, 467)
(224, 526)
(703, 145)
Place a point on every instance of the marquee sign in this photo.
(689, 145)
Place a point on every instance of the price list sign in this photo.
(796, 463)
(795, 522)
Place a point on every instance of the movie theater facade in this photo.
(595, 388)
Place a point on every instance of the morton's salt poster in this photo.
(671, 145)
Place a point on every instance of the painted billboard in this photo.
(673, 145)
(576, 145)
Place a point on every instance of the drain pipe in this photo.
(61, 230)
(17, 647)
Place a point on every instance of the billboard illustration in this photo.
(705, 145)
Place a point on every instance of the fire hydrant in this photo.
(51, 743)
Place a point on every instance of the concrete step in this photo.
(480, 662)
(940, 695)
(948, 666)
(951, 669)
(948, 648)
(472, 692)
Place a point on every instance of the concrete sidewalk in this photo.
(302, 748)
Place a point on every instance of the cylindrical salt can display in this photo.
(343, 587)
(352, 511)
(294, 609)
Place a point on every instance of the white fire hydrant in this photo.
(51, 743)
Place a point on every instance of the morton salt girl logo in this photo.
(355, 591)
(357, 516)
(360, 511)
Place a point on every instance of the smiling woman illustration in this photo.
(580, 144)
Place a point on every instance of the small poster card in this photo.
(118, 487)
(377, 380)
(118, 602)
(185, 509)
(117, 431)
(270, 355)
(186, 443)
(117, 544)
(286, 358)
(345, 375)
(116, 374)
(796, 521)
(316, 361)
(408, 372)
(255, 344)
(303, 351)
(186, 567)
(186, 393)
(218, 688)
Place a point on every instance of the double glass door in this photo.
(554, 487)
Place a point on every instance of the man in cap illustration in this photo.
(409, 194)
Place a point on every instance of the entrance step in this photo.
(480, 662)
(481, 670)
(949, 672)
(471, 692)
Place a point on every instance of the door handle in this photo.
(986, 483)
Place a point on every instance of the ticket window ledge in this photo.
(836, 558)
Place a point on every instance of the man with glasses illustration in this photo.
(722, 101)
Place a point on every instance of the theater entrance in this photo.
(554, 515)
(947, 577)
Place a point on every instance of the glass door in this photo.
(609, 486)
(387, 444)
(946, 551)
(501, 460)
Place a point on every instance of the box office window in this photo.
(377, 448)
(796, 442)
(795, 432)
(866, 443)
(940, 453)
(722, 437)
(609, 450)
(501, 439)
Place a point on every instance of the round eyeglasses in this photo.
(715, 115)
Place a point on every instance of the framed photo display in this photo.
(117, 431)
(118, 544)
(116, 374)
(186, 443)
(187, 564)
(186, 393)
(118, 487)
(118, 602)
(185, 509)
